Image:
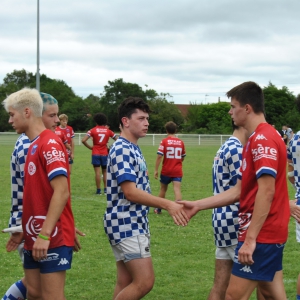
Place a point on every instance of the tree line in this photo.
(282, 107)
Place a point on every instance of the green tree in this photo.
(118, 90)
(163, 112)
(280, 106)
(209, 118)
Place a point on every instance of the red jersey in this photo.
(265, 153)
(65, 136)
(45, 160)
(69, 133)
(173, 150)
(59, 132)
(100, 135)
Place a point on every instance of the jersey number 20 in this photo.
(173, 152)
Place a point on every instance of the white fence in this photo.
(9, 138)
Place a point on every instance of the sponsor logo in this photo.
(34, 148)
(54, 155)
(51, 257)
(147, 249)
(246, 269)
(34, 226)
(52, 141)
(172, 142)
(260, 137)
(264, 152)
(68, 134)
(63, 261)
(31, 168)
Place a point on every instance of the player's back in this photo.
(173, 150)
(100, 136)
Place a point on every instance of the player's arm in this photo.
(133, 194)
(157, 163)
(294, 208)
(14, 241)
(68, 146)
(262, 205)
(223, 199)
(85, 143)
(58, 201)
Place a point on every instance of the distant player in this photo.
(172, 151)
(68, 132)
(100, 135)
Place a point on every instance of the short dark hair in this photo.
(100, 119)
(171, 127)
(249, 93)
(130, 105)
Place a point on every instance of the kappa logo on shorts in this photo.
(147, 249)
(246, 269)
(63, 261)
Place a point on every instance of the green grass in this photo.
(183, 258)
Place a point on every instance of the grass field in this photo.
(183, 258)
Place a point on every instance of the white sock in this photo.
(16, 292)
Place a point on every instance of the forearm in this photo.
(139, 196)
(157, 163)
(56, 207)
(86, 144)
(219, 200)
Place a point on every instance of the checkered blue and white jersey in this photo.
(293, 153)
(124, 218)
(17, 165)
(225, 169)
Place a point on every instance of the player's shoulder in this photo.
(48, 137)
(22, 140)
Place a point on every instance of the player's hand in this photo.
(40, 248)
(295, 210)
(178, 214)
(155, 174)
(245, 253)
(14, 241)
(190, 207)
(77, 245)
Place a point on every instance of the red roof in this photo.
(183, 108)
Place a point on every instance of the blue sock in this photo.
(16, 291)
(98, 191)
(298, 297)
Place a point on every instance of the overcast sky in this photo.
(196, 50)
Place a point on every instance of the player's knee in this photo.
(146, 286)
(33, 293)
